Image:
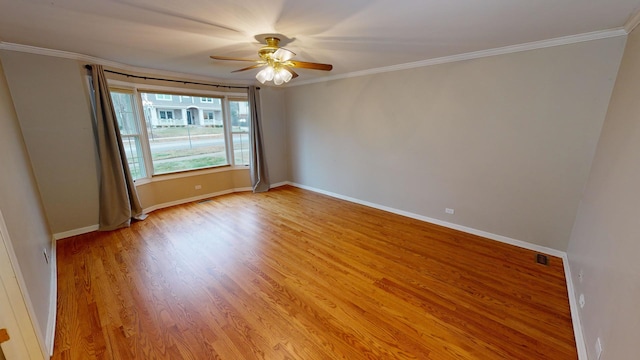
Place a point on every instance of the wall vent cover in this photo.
(542, 259)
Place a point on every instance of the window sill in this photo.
(186, 174)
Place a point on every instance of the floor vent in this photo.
(542, 259)
(203, 201)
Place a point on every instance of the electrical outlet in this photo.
(581, 301)
(598, 348)
(198, 187)
(449, 211)
(46, 255)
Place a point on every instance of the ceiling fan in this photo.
(279, 66)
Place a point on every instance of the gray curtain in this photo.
(118, 198)
(257, 161)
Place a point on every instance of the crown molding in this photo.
(565, 40)
(633, 21)
(112, 64)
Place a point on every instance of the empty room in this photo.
(319, 180)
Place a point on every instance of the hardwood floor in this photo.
(291, 274)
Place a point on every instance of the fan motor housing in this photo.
(270, 48)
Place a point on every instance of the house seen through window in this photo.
(164, 134)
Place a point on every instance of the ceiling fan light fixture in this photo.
(278, 74)
(283, 54)
(277, 79)
(285, 74)
(266, 74)
(278, 66)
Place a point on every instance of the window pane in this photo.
(123, 105)
(182, 133)
(134, 156)
(241, 148)
(240, 131)
(130, 131)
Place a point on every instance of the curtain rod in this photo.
(88, 67)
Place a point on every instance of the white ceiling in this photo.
(353, 35)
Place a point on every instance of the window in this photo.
(129, 127)
(206, 100)
(185, 145)
(165, 114)
(240, 131)
(182, 138)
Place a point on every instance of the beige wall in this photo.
(23, 213)
(274, 131)
(55, 116)
(174, 190)
(506, 141)
(605, 242)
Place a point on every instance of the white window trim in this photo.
(229, 100)
(163, 99)
(148, 161)
(144, 137)
(228, 138)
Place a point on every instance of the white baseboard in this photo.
(283, 183)
(53, 299)
(573, 304)
(194, 198)
(581, 344)
(88, 229)
(500, 238)
(74, 232)
(206, 196)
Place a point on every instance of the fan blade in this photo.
(233, 58)
(310, 65)
(248, 68)
(283, 54)
(295, 75)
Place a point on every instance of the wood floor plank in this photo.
(291, 274)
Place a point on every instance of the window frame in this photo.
(238, 99)
(142, 133)
(225, 97)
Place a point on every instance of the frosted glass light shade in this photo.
(265, 74)
(277, 79)
(286, 75)
(279, 76)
